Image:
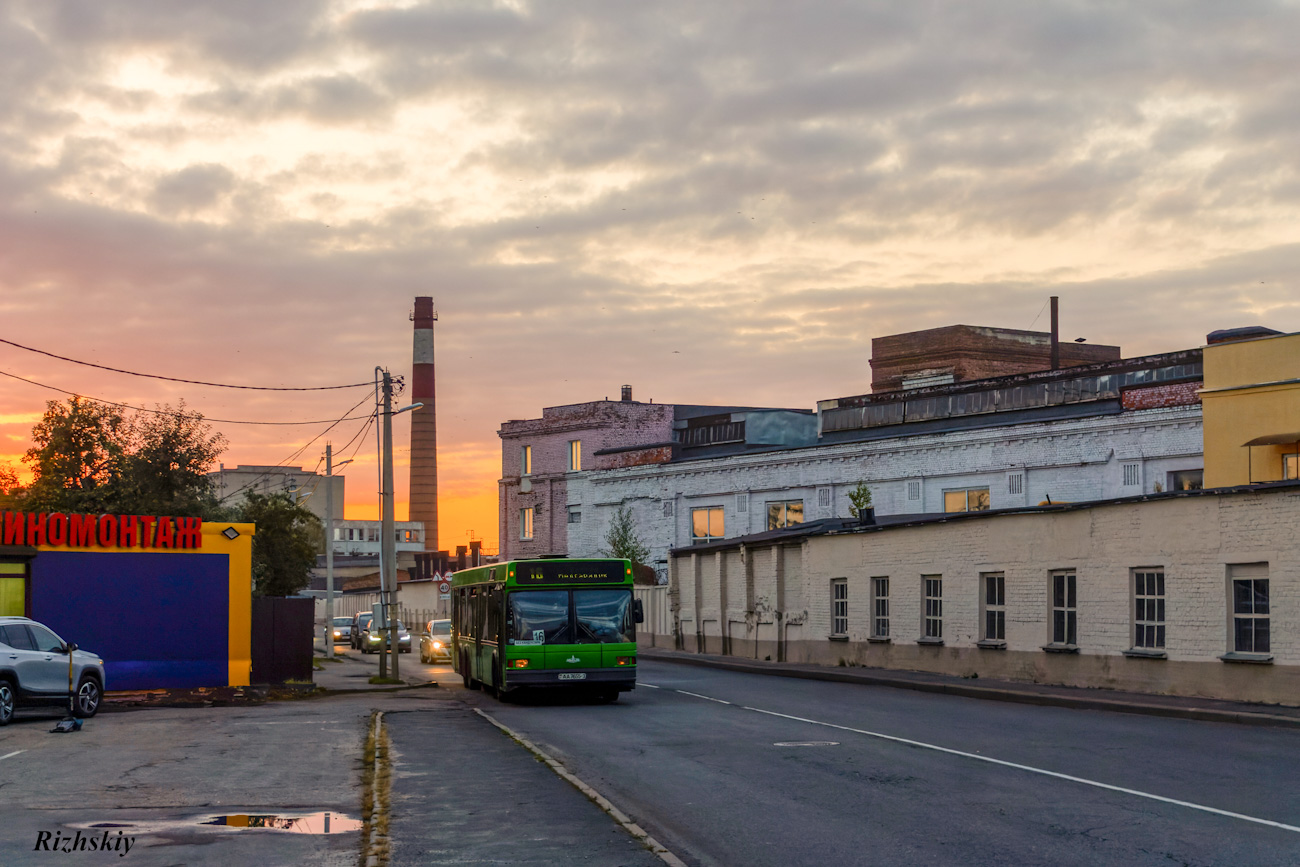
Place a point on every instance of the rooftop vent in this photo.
(627, 394)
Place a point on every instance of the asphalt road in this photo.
(735, 769)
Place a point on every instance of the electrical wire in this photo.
(175, 379)
(173, 413)
(284, 463)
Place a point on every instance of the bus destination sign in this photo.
(570, 572)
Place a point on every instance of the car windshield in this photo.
(540, 617)
(603, 616)
(598, 617)
(342, 621)
(440, 627)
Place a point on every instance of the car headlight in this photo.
(374, 638)
(437, 645)
(337, 634)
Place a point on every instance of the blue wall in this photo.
(157, 620)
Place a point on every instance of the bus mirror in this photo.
(638, 611)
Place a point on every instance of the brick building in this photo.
(960, 353)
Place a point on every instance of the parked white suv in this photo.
(34, 670)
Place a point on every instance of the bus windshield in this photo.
(598, 617)
(603, 616)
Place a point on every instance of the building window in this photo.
(1149, 608)
(742, 503)
(1065, 615)
(1250, 615)
(995, 606)
(707, 524)
(840, 606)
(880, 607)
(668, 508)
(526, 460)
(575, 455)
(966, 500)
(823, 498)
(338, 534)
(1132, 475)
(783, 514)
(914, 490)
(526, 523)
(1291, 466)
(1187, 480)
(932, 618)
(575, 514)
(1016, 484)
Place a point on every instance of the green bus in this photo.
(548, 623)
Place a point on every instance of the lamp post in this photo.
(387, 539)
(329, 549)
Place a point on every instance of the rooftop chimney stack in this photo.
(1056, 335)
(627, 394)
(424, 425)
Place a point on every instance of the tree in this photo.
(164, 471)
(9, 487)
(859, 499)
(89, 457)
(285, 545)
(622, 540)
(76, 457)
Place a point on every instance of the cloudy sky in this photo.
(716, 202)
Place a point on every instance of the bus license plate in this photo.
(573, 675)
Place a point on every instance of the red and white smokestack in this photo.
(424, 426)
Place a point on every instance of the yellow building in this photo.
(1251, 403)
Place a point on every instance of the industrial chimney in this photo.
(424, 426)
(627, 394)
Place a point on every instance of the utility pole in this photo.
(329, 552)
(387, 537)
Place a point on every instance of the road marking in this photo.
(11, 755)
(601, 801)
(1032, 770)
(697, 695)
(650, 685)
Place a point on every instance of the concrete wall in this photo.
(1196, 540)
(1252, 389)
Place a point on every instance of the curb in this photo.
(991, 693)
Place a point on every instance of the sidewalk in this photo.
(351, 672)
(1177, 707)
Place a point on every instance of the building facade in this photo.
(231, 484)
(1189, 593)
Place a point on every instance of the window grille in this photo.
(1016, 484)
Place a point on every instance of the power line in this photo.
(165, 412)
(175, 379)
(284, 463)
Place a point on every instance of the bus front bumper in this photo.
(622, 678)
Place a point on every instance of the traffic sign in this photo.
(444, 587)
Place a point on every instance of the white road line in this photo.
(601, 801)
(697, 695)
(1031, 770)
(11, 755)
(649, 685)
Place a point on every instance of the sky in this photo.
(714, 202)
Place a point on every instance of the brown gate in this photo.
(282, 639)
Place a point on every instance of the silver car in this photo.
(34, 670)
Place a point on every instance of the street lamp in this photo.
(329, 549)
(388, 542)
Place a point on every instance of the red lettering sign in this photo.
(100, 531)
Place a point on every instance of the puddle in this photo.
(312, 823)
(309, 823)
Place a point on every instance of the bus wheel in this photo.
(464, 671)
(607, 696)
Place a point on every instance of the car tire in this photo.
(88, 699)
(6, 702)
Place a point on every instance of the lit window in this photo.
(932, 617)
(840, 606)
(526, 523)
(707, 524)
(1065, 613)
(784, 513)
(966, 500)
(575, 455)
(995, 606)
(526, 460)
(1149, 608)
(1187, 480)
(880, 607)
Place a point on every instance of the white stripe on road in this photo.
(11, 755)
(1031, 770)
(651, 685)
(697, 695)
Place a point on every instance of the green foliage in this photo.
(9, 487)
(89, 457)
(284, 548)
(859, 499)
(622, 540)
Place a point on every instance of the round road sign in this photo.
(444, 587)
